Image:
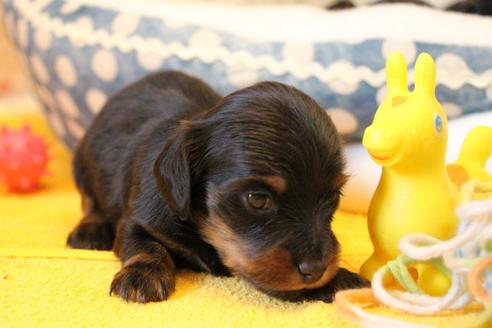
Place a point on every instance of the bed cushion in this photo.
(81, 52)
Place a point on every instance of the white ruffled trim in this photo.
(340, 71)
(303, 23)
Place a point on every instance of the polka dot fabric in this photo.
(80, 54)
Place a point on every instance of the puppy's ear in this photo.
(172, 169)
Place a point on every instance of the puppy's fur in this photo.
(173, 176)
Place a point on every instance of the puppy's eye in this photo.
(259, 201)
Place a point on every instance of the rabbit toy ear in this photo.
(396, 73)
(425, 74)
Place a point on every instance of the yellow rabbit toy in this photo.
(408, 139)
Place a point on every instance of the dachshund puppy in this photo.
(174, 176)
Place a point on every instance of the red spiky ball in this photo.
(23, 159)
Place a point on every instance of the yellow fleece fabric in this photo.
(45, 284)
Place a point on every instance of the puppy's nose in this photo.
(311, 271)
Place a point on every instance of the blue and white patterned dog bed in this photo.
(81, 52)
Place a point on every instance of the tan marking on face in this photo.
(218, 234)
(273, 269)
(278, 183)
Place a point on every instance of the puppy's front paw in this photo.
(344, 279)
(92, 235)
(143, 282)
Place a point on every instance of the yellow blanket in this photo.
(45, 284)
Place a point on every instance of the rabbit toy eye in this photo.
(438, 123)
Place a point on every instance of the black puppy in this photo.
(172, 176)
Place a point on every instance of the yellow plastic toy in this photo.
(408, 139)
(473, 157)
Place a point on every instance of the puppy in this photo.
(174, 176)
